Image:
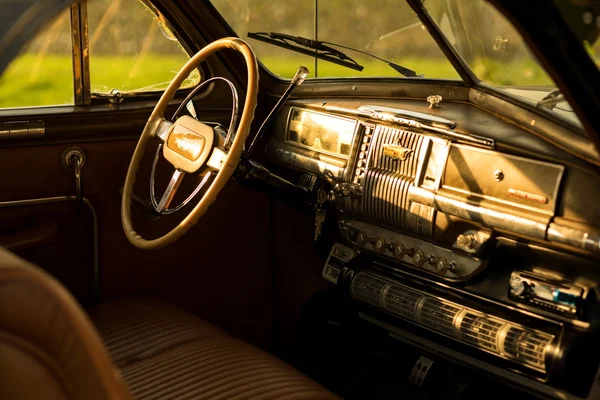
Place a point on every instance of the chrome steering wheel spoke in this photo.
(169, 194)
(162, 206)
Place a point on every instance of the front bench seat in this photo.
(49, 349)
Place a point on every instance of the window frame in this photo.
(81, 58)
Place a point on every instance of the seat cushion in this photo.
(166, 353)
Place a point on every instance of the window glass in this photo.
(132, 49)
(388, 29)
(42, 74)
(487, 41)
(497, 53)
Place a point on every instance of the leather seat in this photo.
(49, 349)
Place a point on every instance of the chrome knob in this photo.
(434, 101)
(399, 251)
(518, 287)
(418, 258)
(361, 239)
(466, 241)
(431, 259)
(379, 245)
(441, 266)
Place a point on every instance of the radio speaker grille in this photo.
(494, 335)
(387, 180)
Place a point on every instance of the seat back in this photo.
(49, 349)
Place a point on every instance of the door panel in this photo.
(54, 235)
(220, 270)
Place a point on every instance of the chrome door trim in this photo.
(59, 199)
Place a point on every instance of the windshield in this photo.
(388, 29)
(497, 54)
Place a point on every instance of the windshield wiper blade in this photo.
(322, 50)
(328, 53)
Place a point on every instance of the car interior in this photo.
(197, 201)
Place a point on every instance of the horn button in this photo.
(188, 144)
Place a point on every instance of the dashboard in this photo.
(455, 231)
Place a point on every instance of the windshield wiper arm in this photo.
(551, 99)
(322, 50)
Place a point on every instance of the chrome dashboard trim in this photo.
(485, 215)
(18, 130)
(417, 116)
(589, 241)
(427, 128)
(477, 331)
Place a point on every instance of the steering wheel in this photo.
(191, 146)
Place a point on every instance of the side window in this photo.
(131, 48)
(42, 74)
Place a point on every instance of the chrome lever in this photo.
(73, 158)
(297, 80)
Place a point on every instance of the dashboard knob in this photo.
(379, 245)
(418, 258)
(441, 266)
(361, 239)
(431, 259)
(399, 251)
(518, 287)
(465, 240)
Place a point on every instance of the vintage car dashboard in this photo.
(456, 231)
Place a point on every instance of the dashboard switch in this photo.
(418, 258)
(518, 287)
(379, 245)
(441, 266)
(399, 251)
(361, 239)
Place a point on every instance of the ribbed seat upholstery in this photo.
(164, 352)
(50, 350)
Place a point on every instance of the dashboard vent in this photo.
(498, 336)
